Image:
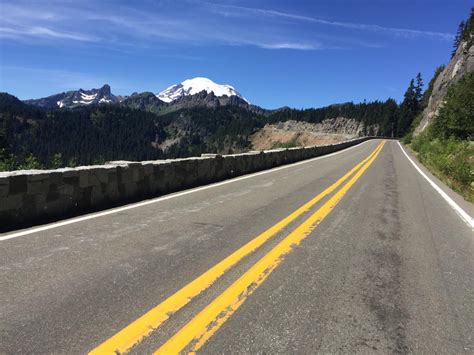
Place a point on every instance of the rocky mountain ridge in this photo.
(197, 92)
(80, 97)
(150, 102)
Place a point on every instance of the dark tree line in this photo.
(383, 118)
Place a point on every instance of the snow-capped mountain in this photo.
(195, 86)
(76, 98)
(197, 92)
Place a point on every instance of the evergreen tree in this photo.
(418, 92)
(5, 138)
(390, 128)
(458, 37)
(5, 130)
(468, 32)
(408, 110)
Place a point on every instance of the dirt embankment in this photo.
(295, 133)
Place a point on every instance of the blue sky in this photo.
(276, 53)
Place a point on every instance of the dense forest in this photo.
(32, 137)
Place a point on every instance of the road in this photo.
(352, 252)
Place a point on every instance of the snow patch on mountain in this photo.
(86, 97)
(195, 86)
(82, 102)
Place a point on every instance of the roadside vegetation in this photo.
(447, 146)
(290, 144)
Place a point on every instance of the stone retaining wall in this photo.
(31, 196)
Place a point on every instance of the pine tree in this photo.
(468, 31)
(391, 110)
(407, 109)
(5, 135)
(458, 37)
(418, 92)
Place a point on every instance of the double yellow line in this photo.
(209, 320)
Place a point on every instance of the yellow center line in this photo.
(136, 331)
(199, 329)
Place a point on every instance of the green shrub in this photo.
(290, 144)
(408, 138)
(452, 160)
(30, 163)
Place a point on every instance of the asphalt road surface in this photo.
(355, 252)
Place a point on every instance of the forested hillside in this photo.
(32, 137)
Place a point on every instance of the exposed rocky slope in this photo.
(461, 63)
(297, 133)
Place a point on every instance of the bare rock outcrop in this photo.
(461, 63)
(299, 133)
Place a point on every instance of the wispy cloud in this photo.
(184, 23)
(224, 9)
(39, 31)
(178, 23)
(287, 45)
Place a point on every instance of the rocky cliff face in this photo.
(298, 133)
(461, 63)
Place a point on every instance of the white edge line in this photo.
(460, 212)
(163, 198)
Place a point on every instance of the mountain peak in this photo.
(105, 90)
(80, 97)
(195, 86)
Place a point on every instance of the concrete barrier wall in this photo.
(31, 196)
